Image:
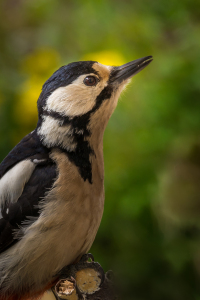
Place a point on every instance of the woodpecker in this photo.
(52, 182)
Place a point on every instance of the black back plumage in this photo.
(17, 214)
(29, 147)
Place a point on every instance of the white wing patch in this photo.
(12, 183)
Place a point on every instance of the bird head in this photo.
(78, 100)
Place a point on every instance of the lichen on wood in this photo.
(85, 280)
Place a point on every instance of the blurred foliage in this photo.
(38, 66)
(156, 256)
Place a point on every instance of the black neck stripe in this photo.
(79, 125)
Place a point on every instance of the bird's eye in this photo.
(90, 80)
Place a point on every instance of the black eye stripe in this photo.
(90, 80)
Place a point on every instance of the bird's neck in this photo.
(73, 137)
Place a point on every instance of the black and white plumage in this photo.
(51, 183)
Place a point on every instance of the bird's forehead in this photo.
(102, 70)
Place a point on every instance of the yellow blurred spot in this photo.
(26, 109)
(107, 57)
(42, 62)
(39, 66)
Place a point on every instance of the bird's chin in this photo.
(118, 88)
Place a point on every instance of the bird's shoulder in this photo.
(26, 174)
(30, 147)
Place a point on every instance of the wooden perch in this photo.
(85, 280)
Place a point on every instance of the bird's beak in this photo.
(128, 70)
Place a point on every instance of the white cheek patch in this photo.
(53, 134)
(74, 99)
(12, 183)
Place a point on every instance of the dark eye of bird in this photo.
(90, 80)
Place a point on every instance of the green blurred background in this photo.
(149, 234)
